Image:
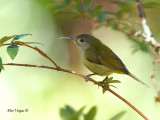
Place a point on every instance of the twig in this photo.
(83, 76)
(36, 49)
(147, 32)
(155, 83)
(82, 9)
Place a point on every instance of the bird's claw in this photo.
(88, 77)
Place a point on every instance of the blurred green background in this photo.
(43, 92)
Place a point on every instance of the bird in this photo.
(99, 58)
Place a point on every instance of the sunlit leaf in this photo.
(91, 113)
(5, 39)
(20, 36)
(12, 51)
(115, 81)
(112, 86)
(118, 116)
(1, 65)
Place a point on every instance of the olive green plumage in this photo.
(99, 58)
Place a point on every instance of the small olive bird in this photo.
(99, 58)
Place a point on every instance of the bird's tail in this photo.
(130, 74)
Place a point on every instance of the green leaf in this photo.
(12, 51)
(101, 17)
(112, 86)
(67, 2)
(91, 113)
(1, 65)
(115, 81)
(6, 38)
(67, 112)
(96, 11)
(33, 43)
(118, 116)
(19, 42)
(103, 90)
(20, 36)
(77, 114)
(140, 45)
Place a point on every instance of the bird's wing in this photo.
(110, 59)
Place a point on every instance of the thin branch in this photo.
(85, 77)
(36, 49)
(155, 83)
(147, 32)
(82, 9)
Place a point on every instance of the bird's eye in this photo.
(81, 40)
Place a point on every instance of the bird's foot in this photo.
(108, 81)
(104, 82)
(88, 77)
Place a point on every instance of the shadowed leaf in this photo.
(77, 114)
(101, 17)
(1, 65)
(66, 112)
(12, 51)
(118, 116)
(91, 113)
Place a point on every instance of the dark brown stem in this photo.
(83, 76)
(140, 8)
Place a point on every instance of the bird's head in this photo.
(84, 41)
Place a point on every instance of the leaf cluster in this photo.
(13, 46)
(68, 113)
(107, 82)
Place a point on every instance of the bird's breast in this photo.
(95, 67)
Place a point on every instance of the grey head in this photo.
(83, 41)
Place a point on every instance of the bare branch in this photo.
(155, 83)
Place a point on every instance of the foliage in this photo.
(108, 83)
(125, 20)
(69, 113)
(13, 46)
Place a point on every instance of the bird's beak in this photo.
(72, 38)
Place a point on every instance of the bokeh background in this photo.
(43, 92)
